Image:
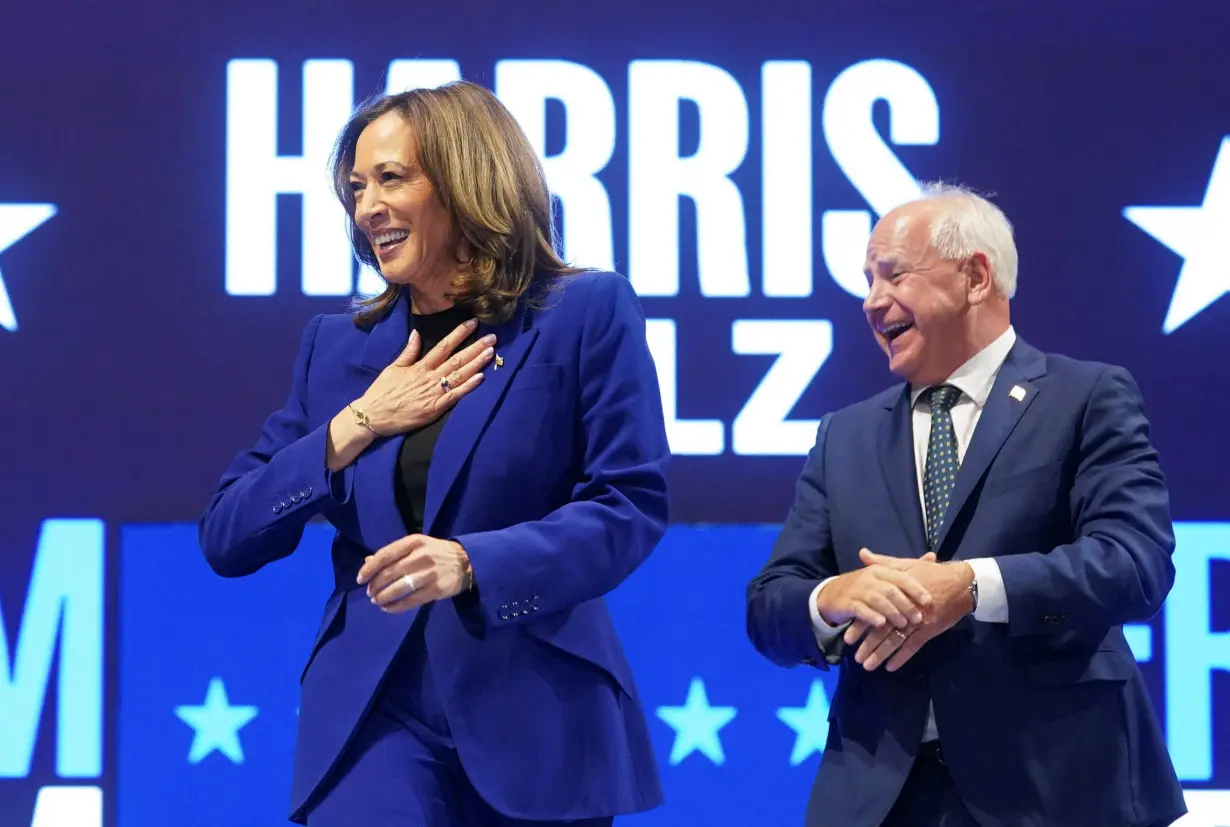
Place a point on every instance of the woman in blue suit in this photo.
(487, 438)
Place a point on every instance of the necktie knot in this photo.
(943, 397)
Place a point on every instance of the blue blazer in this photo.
(1044, 719)
(552, 476)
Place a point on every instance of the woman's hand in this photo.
(412, 392)
(408, 394)
(415, 570)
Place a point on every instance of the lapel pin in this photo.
(499, 362)
(1017, 393)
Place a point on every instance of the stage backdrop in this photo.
(166, 231)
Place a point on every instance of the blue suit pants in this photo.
(401, 769)
(929, 797)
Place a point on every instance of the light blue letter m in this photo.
(64, 603)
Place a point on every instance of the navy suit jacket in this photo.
(551, 474)
(1045, 719)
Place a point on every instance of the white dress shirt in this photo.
(974, 379)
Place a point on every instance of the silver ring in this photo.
(896, 632)
(444, 384)
(409, 581)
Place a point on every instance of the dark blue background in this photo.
(134, 377)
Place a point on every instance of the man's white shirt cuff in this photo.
(825, 634)
(992, 600)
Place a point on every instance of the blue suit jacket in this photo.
(1045, 719)
(552, 476)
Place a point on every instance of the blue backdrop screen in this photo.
(166, 231)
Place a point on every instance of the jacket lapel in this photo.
(379, 519)
(469, 418)
(388, 337)
(897, 463)
(1011, 395)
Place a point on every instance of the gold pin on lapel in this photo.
(499, 362)
(1017, 393)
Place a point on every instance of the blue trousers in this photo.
(401, 769)
(929, 798)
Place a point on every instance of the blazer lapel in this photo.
(380, 521)
(1011, 395)
(388, 337)
(469, 418)
(897, 463)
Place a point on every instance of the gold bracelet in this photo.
(360, 416)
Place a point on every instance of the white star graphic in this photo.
(696, 725)
(16, 221)
(216, 724)
(1197, 234)
(810, 723)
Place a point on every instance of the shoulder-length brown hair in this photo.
(487, 177)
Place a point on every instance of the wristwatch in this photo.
(973, 593)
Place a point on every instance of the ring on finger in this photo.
(409, 581)
(900, 635)
(444, 384)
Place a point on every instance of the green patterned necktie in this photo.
(940, 475)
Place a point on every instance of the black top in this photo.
(410, 486)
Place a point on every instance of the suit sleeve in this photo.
(779, 599)
(1119, 568)
(269, 492)
(618, 508)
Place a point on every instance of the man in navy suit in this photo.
(967, 545)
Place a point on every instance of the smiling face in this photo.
(398, 210)
(928, 314)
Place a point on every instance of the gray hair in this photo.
(969, 224)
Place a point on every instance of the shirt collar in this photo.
(975, 378)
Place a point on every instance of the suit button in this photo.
(534, 608)
(503, 615)
(277, 509)
(294, 498)
(307, 491)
